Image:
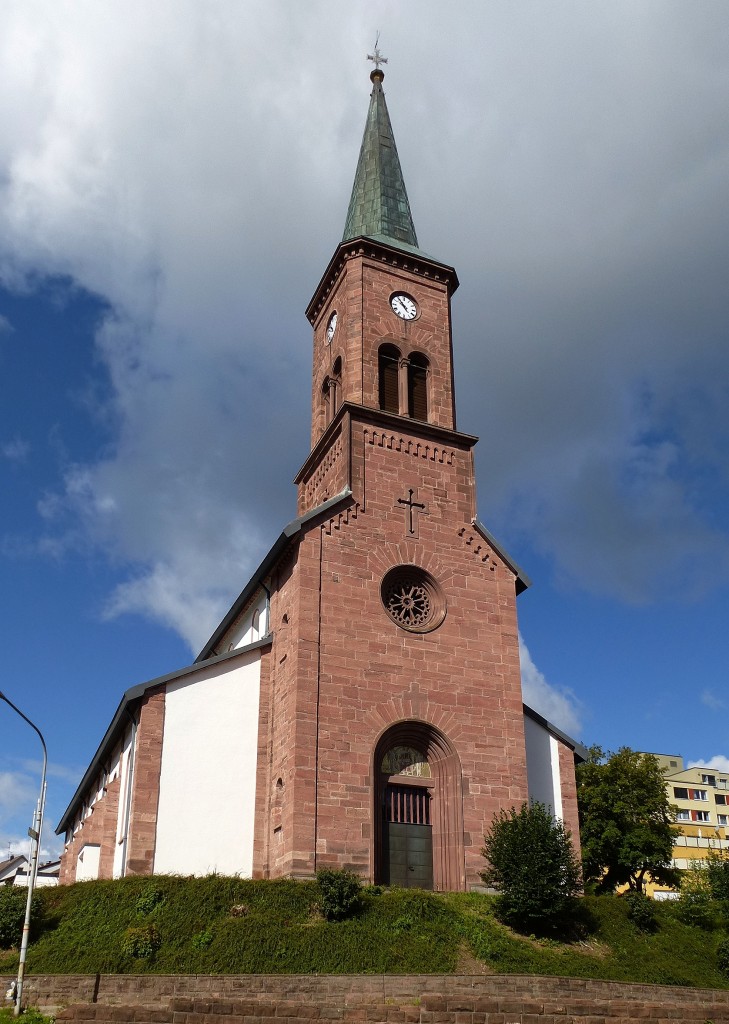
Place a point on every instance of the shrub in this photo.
(533, 865)
(340, 893)
(696, 905)
(149, 899)
(717, 867)
(722, 957)
(641, 911)
(202, 940)
(141, 943)
(12, 915)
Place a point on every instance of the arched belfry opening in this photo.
(388, 369)
(418, 809)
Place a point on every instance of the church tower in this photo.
(360, 704)
(397, 727)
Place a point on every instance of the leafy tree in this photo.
(626, 821)
(717, 867)
(696, 904)
(532, 863)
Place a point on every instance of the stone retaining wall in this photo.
(394, 999)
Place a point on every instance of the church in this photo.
(360, 704)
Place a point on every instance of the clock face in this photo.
(332, 326)
(403, 306)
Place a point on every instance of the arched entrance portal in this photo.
(418, 813)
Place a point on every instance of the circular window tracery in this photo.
(413, 599)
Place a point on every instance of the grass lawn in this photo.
(216, 925)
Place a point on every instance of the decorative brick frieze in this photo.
(343, 518)
(478, 546)
(410, 446)
(325, 479)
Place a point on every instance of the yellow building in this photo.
(701, 798)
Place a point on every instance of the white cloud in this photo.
(191, 166)
(17, 792)
(718, 763)
(559, 706)
(16, 450)
(712, 701)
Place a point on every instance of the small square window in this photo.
(720, 798)
(680, 793)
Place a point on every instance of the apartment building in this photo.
(701, 798)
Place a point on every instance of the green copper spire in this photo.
(379, 206)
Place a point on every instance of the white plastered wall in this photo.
(252, 626)
(87, 863)
(121, 768)
(207, 789)
(543, 777)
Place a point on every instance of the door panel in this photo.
(407, 842)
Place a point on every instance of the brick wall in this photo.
(570, 814)
(342, 672)
(407, 999)
(99, 828)
(358, 286)
(145, 791)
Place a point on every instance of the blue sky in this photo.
(174, 180)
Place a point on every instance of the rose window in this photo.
(413, 599)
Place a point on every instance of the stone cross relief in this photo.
(412, 508)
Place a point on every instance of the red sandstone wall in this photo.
(338, 681)
(99, 828)
(361, 296)
(145, 784)
(463, 677)
(288, 716)
(570, 814)
(398, 999)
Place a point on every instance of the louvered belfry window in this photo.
(418, 387)
(388, 367)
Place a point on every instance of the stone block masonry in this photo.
(391, 999)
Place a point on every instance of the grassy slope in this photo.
(82, 930)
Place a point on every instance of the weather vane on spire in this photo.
(377, 57)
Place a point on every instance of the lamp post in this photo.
(35, 834)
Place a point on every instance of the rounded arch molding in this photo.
(447, 798)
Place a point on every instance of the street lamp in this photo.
(35, 835)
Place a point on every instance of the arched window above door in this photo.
(401, 760)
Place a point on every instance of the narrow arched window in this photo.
(335, 386)
(326, 401)
(388, 365)
(418, 387)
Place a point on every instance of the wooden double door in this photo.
(407, 837)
